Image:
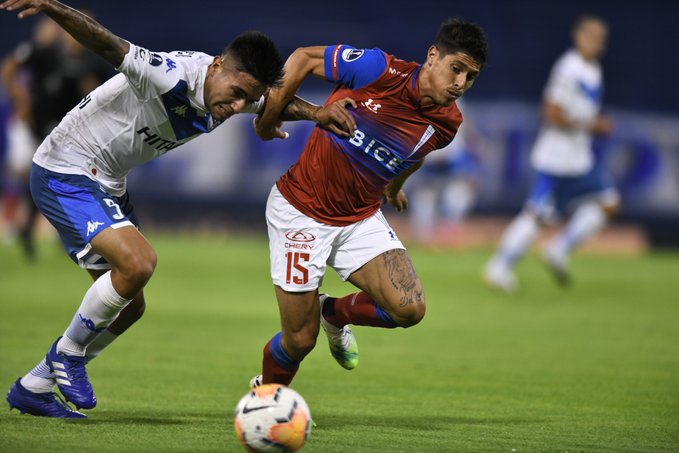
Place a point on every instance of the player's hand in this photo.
(398, 200)
(28, 7)
(337, 119)
(269, 133)
(602, 126)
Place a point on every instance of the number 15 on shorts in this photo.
(297, 272)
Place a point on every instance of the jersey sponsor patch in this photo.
(349, 55)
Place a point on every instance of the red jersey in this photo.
(339, 181)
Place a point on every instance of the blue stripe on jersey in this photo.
(184, 119)
(371, 156)
(593, 92)
(356, 68)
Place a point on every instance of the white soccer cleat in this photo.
(256, 381)
(342, 342)
(501, 278)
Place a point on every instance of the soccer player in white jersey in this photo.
(78, 179)
(568, 179)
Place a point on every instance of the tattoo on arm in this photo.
(403, 277)
(89, 33)
(299, 109)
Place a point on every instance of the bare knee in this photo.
(138, 267)
(409, 312)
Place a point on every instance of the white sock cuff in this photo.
(38, 384)
(593, 211)
(107, 293)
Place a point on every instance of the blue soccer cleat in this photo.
(71, 377)
(40, 404)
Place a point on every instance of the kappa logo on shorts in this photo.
(350, 55)
(92, 226)
(300, 236)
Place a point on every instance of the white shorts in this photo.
(301, 248)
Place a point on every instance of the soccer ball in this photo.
(272, 418)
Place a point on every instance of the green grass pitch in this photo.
(594, 368)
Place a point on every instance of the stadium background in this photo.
(224, 177)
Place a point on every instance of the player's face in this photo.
(448, 76)
(228, 91)
(590, 39)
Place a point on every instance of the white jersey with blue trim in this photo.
(154, 105)
(575, 85)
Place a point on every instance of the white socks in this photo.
(516, 239)
(86, 333)
(41, 380)
(587, 220)
(99, 308)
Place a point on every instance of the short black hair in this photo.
(257, 55)
(457, 35)
(587, 17)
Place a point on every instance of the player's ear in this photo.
(217, 62)
(432, 54)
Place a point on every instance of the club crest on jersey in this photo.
(156, 60)
(179, 110)
(350, 55)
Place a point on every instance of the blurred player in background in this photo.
(325, 211)
(568, 178)
(78, 178)
(444, 190)
(45, 77)
(24, 73)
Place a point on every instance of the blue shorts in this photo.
(79, 210)
(552, 195)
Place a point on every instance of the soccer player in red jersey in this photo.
(325, 211)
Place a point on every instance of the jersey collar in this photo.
(199, 98)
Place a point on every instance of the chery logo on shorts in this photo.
(300, 236)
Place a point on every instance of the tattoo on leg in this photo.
(402, 276)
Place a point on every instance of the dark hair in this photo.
(586, 17)
(456, 35)
(255, 54)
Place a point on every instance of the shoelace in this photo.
(346, 337)
(76, 368)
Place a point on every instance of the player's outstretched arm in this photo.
(84, 29)
(333, 117)
(301, 63)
